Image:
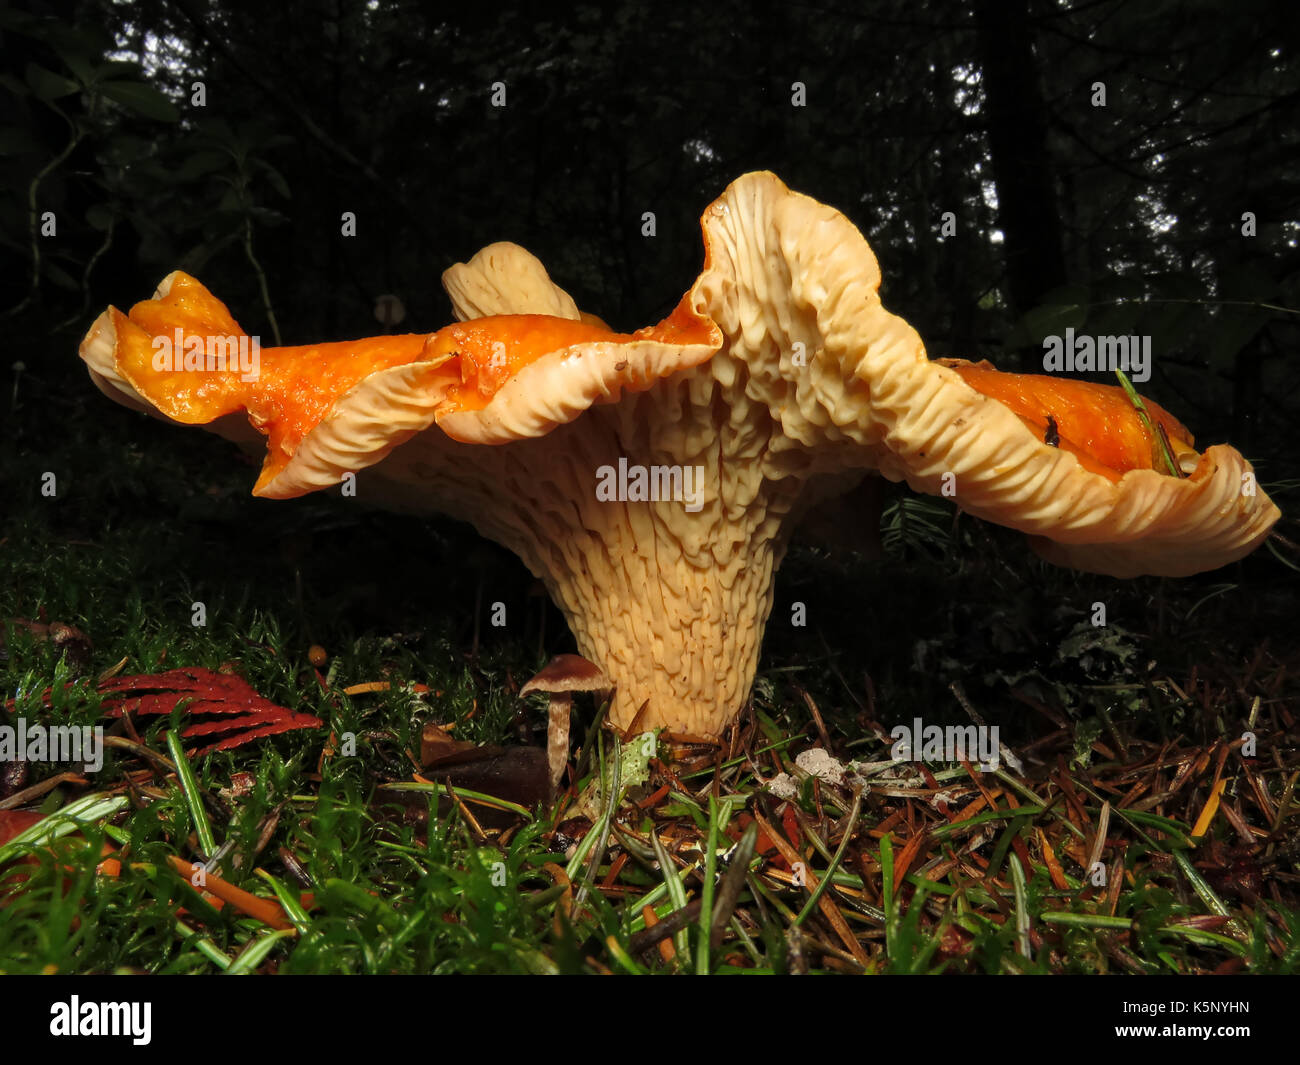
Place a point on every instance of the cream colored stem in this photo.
(557, 736)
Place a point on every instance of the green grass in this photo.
(400, 882)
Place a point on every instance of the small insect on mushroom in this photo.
(1052, 436)
(560, 678)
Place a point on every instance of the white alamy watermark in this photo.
(210, 354)
(919, 742)
(1084, 353)
(74, 1017)
(84, 744)
(630, 483)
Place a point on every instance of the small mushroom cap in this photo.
(503, 278)
(568, 673)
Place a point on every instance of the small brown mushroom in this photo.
(560, 678)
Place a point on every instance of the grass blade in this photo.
(74, 816)
(732, 882)
(1022, 909)
(1155, 432)
(706, 893)
(288, 900)
(193, 796)
(676, 890)
(255, 953)
(816, 895)
(203, 945)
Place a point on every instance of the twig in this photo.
(32, 216)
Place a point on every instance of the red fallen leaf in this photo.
(252, 716)
(764, 845)
(241, 711)
(14, 821)
(791, 825)
(438, 745)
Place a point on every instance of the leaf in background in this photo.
(82, 67)
(1120, 306)
(118, 69)
(48, 85)
(142, 99)
(202, 162)
(275, 178)
(1236, 323)
(1063, 308)
(1173, 326)
(1233, 329)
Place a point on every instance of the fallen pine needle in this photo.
(1210, 808)
(666, 951)
(269, 913)
(381, 686)
(1054, 869)
(827, 907)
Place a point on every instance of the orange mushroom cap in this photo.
(1097, 424)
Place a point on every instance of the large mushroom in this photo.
(651, 480)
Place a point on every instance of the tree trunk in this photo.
(1022, 170)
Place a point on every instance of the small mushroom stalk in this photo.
(557, 737)
(560, 678)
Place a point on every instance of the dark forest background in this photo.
(1019, 167)
(1171, 210)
